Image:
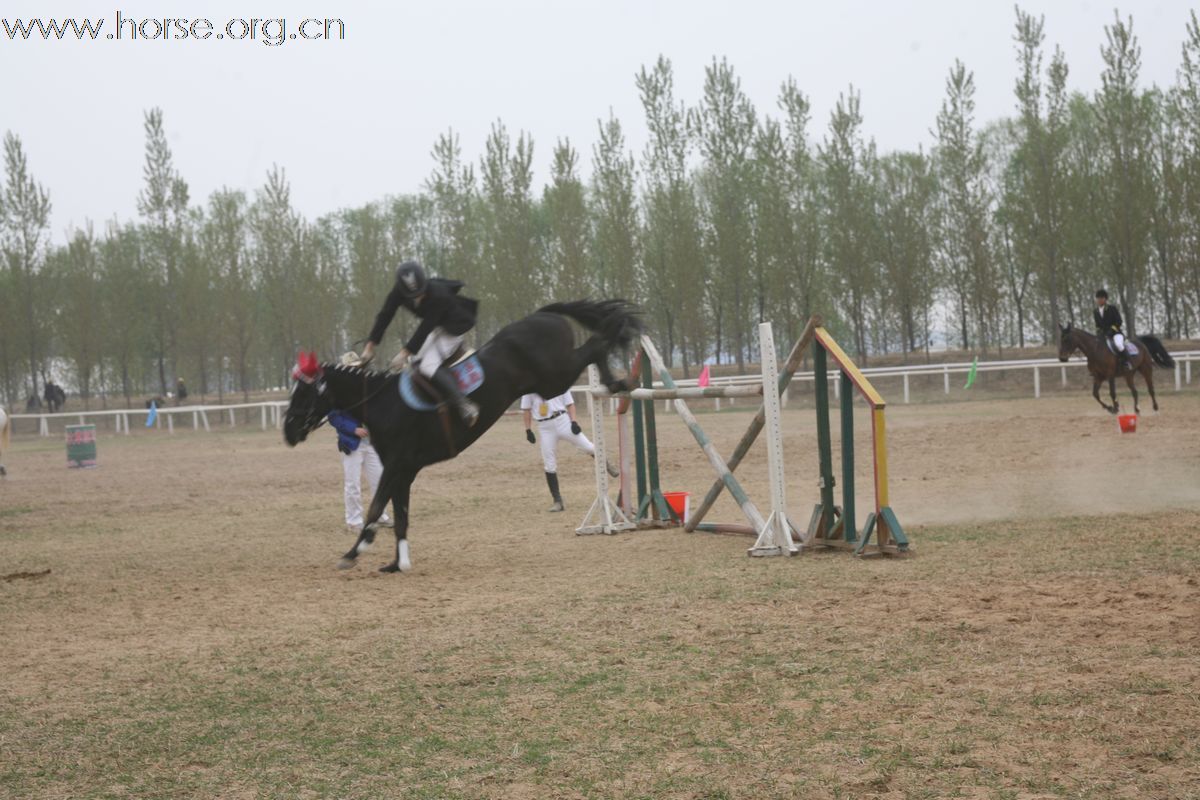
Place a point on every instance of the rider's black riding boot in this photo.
(552, 482)
(1127, 362)
(445, 382)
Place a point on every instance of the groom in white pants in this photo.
(556, 422)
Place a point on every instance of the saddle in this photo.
(420, 395)
(1130, 347)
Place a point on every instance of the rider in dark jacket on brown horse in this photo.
(1108, 325)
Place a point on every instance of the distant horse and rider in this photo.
(1109, 355)
(406, 412)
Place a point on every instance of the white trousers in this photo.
(364, 459)
(1118, 340)
(553, 430)
(438, 346)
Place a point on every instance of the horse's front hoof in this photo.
(346, 563)
(393, 567)
(617, 387)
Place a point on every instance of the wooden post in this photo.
(639, 446)
(654, 506)
(905, 386)
(604, 516)
(849, 524)
(824, 441)
(1037, 381)
(714, 458)
(756, 425)
(775, 538)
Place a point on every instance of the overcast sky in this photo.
(352, 121)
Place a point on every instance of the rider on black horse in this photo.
(446, 317)
(1108, 326)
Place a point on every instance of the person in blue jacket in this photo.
(358, 456)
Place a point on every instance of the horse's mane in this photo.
(363, 372)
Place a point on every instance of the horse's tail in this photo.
(618, 323)
(1157, 351)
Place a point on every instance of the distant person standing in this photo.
(555, 420)
(180, 391)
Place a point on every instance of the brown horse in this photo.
(1105, 366)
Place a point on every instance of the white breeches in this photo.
(1118, 340)
(438, 346)
(551, 431)
(364, 459)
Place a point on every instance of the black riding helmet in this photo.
(411, 279)
(1101, 294)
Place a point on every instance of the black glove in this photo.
(575, 429)
(529, 436)
(344, 448)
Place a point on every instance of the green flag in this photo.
(971, 374)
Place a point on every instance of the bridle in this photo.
(313, 420)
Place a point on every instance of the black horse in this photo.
(535, 354)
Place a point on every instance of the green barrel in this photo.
(81, 445)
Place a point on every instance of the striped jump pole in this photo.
(604, 516)
(751, 512)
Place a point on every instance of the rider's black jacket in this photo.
(1108, 319)
(441, 307)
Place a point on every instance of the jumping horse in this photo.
(535, 354)
(1105, 366)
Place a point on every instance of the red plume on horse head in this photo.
(307, 366)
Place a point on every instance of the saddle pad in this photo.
(468, 373)
(1130, 347)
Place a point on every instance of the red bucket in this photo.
(1128, 423)
(679, 503)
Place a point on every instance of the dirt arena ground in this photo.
(193, 638)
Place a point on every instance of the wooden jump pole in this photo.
(796, 355)
(775, 538)
(714, 458)
(833, 526)
(654, 505)
(604, 516)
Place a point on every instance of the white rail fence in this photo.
(271, 412)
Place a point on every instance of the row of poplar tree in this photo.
(991, 239)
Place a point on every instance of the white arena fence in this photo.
(270, 413)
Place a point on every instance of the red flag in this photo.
(703, 377)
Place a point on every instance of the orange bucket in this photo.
(1128, 423)
(679, 503)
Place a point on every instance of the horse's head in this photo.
(310, 402)
(1066, 342)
